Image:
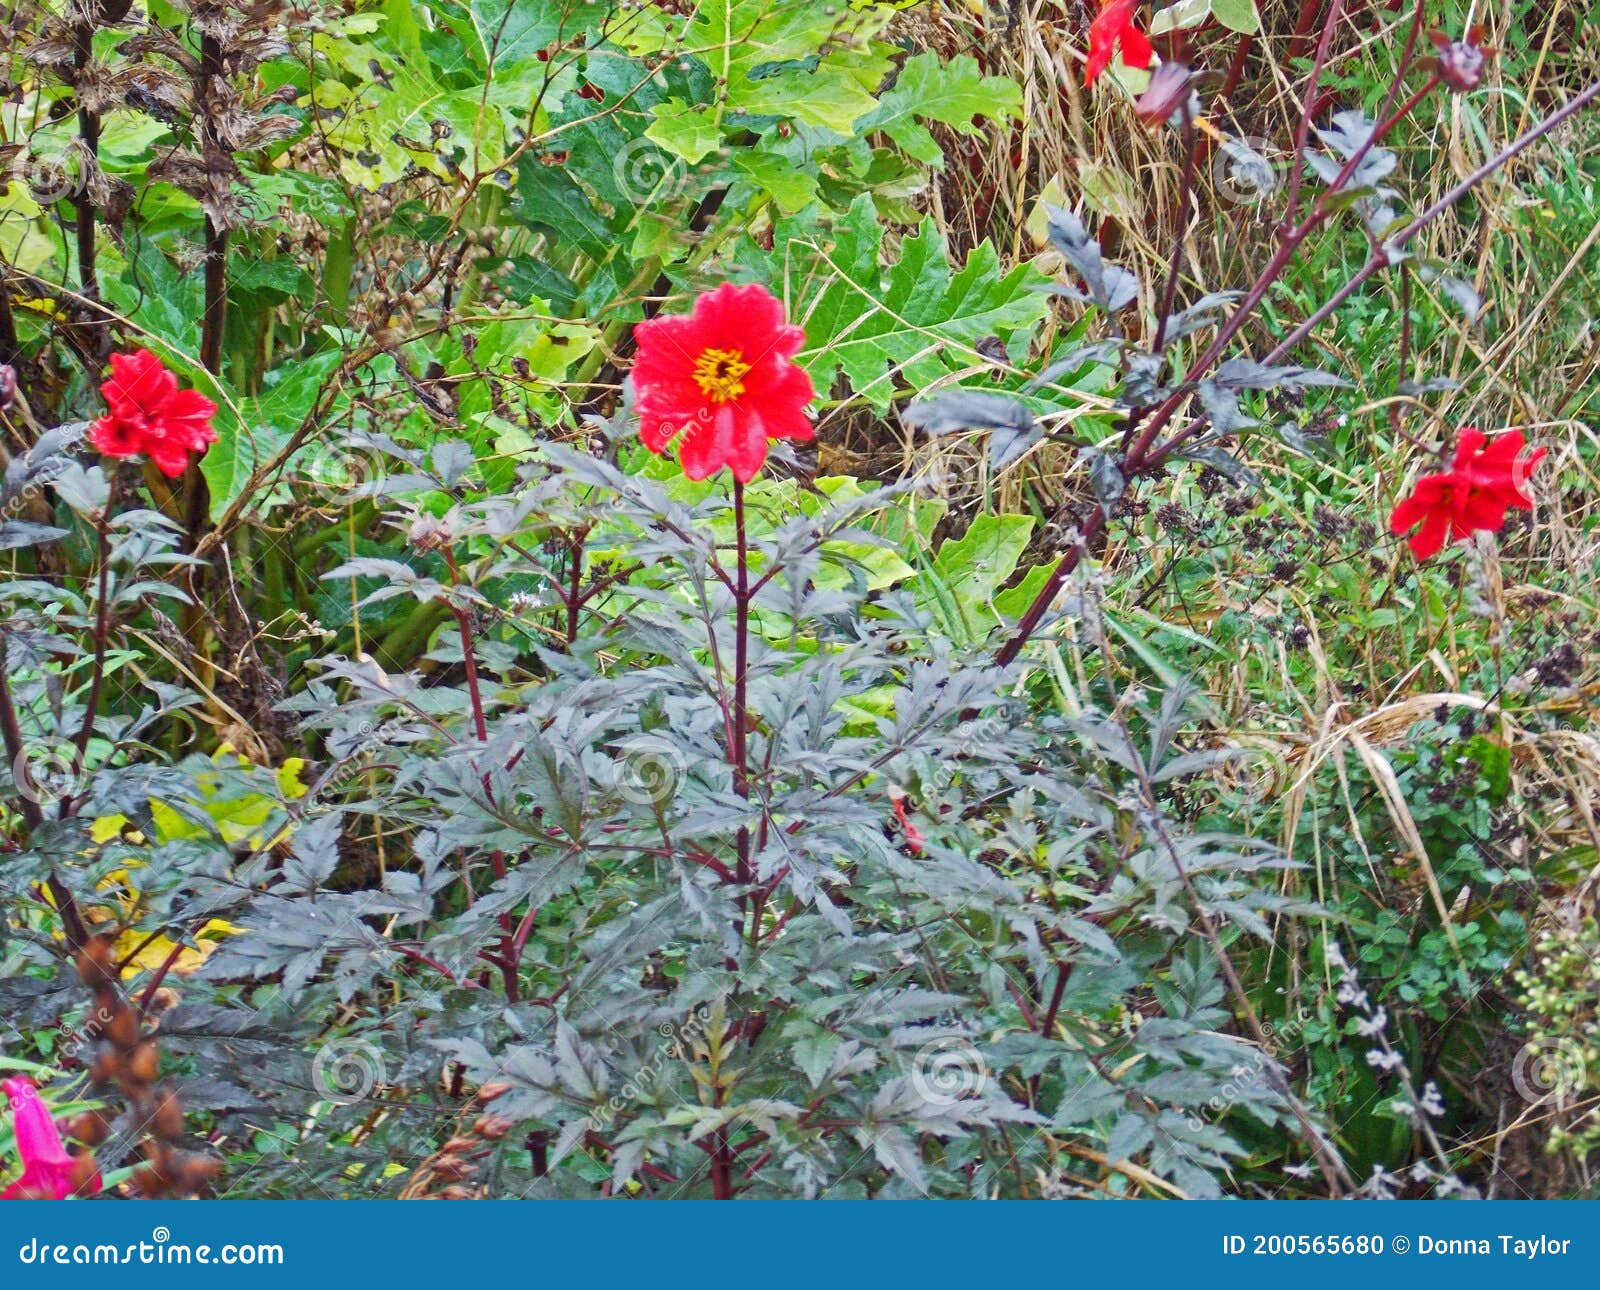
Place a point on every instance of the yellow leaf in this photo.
(151, 954)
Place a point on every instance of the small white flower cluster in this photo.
(1422, 1108)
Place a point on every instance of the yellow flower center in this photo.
(719, 374)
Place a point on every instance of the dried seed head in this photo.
(95, 962)
(90, 1128)
(194, 1172)
(167, 1122)
(454, 1169)
(123, 1028)
(149, 1181)
(144, 1063)
(85, 1174)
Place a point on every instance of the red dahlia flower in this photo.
(1114, 27)
(46, 1167)
(1484, 481)
(722, 377)
(147, 412)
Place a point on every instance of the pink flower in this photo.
(46, 1167)
(722, 379)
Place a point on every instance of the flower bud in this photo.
(1460, 63)
(8, 384)
(429, 533)
(1168, 95)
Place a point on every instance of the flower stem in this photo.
(738, 748)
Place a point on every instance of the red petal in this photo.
(139, 378)
(1467, 445)
(1481, 511)
(668, 348)
(1137, 51)
(705, 445)
(1503, 448)
(747, 446)
(1522, 472)
(1113, 24)
(1430, 537)
(662, 418)
(170, 459)
(113, 438)
(193, 407)
(781, 403)
(1426, 498)
(746, 317)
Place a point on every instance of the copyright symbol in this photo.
(1247, 171)
(1401, 1245)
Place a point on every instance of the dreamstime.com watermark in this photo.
(1248, 1077)
(1250, 170)
(680, 1039)
(160, 1249)
(346, 1071)
(48, 179)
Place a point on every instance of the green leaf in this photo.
(685, 130)
(813, 1050)
(916, 320)
(251, 428)
(161, 301)
(1015, 601)
(954, 93)
(985, 556)
(960, 587)
(400, 95)
(793, 188)
(1236, 15)
(783, 58)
